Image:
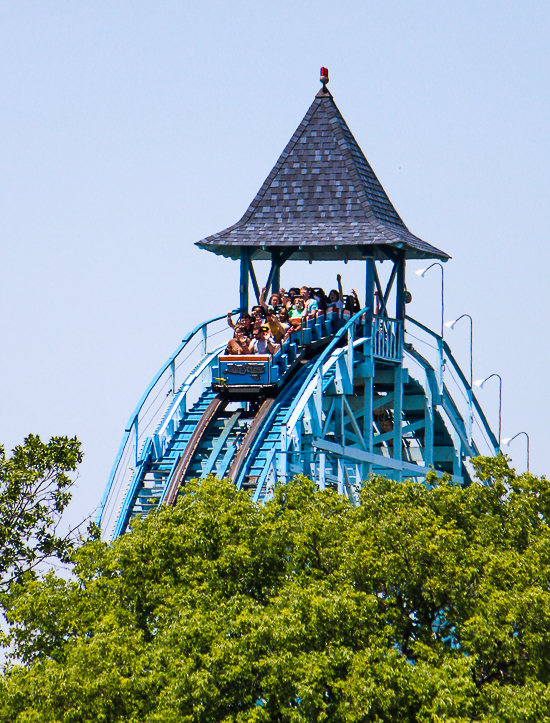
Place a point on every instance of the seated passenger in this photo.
(240, 344)
(321, 299)
(309, 303)
(276, 326)
(300, 306)
(282, 318)
(274, 300)
(257, 312)
(295, 314)
(245, 321)
(257, 327)
(265, 343)
(352, 302)
(335, 298)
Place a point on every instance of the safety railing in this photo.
(166, 397)
(313, 378)
(443, 355)
(387, 338)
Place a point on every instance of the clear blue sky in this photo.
(130, 130)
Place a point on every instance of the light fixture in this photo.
(507, 441)
(479, 383)
(422, 272)
(451, 325)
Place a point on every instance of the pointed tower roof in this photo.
(322, 200)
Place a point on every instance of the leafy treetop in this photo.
(423, 603)
(34, 491)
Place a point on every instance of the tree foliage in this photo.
(420, 604)
(34, 491)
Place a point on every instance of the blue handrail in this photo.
(445, 347)
(322, 358)
(135, 414)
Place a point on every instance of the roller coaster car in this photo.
(247, 376)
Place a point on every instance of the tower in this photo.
(337, 402)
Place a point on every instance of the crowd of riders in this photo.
(271, 322)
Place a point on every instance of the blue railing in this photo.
(387, 338)
(444, 354)
(153, 408)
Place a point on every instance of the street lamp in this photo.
(479, 383)
(508, 440)
(451, 325)
(422, 272)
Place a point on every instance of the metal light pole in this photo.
(451, 325)
(479, 383)
(508, 440)
(422, 272)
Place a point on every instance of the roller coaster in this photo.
(347, 395)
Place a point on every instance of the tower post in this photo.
(400, 291)
(243, 287)
(369, 295)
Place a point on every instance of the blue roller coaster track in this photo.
(347, 394)
(349, 409)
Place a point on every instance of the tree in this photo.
(34, 492)
(423, 603)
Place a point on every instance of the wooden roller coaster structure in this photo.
(348, 395)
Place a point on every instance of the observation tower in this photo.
(346, 395)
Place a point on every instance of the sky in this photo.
(131, 130)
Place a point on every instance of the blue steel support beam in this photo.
(278, 258)
(276, 283)
(400, 291)
(243, 287)
(369, 295)
(398, 414)
(254, 282)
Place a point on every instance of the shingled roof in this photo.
(322, 199)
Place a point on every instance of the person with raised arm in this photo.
(265, 343)
(335, 298)
(274, 300)
(240, 344)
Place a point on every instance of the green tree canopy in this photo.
(420, 604)
(34, 491)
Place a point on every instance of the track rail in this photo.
(215, 406)
(249, 438)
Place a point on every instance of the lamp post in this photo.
(508, 440)
(422, 272)
(451, 325)
(479, 383)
